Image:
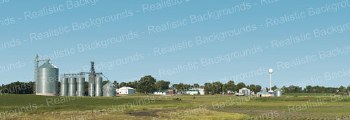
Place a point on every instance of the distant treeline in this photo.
(18, 88)
(218, 88)
(316, 89)
(149, 84)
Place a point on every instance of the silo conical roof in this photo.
(47, 64)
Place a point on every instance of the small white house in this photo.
(244, 92)
(125, 91)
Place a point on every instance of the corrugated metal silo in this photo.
(278, 93)
(80, 85)
(64, 86)
(98, 84)
(109, 89)
(47, 79)
(72, 86)
(91, 86)
(92, 77)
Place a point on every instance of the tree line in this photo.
(149, 84)
(18, 88)
(316, 89)
(219, 88)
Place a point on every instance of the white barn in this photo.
(125, 91)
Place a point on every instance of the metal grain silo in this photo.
(278, 93)
(47, 79)
(108, 89)
(72, 86)
(91, 89)
(64, 86)
(91, 85)
(98, 83)
(80, 85)
(92, 77)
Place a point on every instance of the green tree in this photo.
(122, 84)
(230, 85)
(342, 90)
(292, 89)
(146, 84)
(285, 89)
(196, 85)
(257, 88)
(274, 87)
(308, 89)
(180, 87)
(252, 87)
(187, 86)
(174, 86)
(162, 85)
(240, 85)
(116, 84)
(133, 84)
(208, 88)
(217, 86)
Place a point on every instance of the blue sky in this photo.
(183, 58)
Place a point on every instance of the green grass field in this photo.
(208, 107)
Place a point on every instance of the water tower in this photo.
(270, 73)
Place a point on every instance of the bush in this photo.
(177, 99)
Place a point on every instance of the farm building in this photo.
(243, 92)
(160, 93)
(277, 93)
(264, 93)
(125, 91)
(171, 91)
(195, 91)
(192, 92)
(201, 91)
(165, 92)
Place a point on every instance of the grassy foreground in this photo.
(142, 107)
